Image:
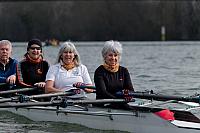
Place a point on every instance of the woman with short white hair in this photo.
(68, 71)
(110, 77)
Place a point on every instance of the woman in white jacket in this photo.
(68, 71)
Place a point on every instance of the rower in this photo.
(7, 66)
(67, 72)
(111, 77)
(32, 70)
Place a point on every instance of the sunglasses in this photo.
(37, 48)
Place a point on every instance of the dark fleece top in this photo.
(108, 83)
(29, 73)
(7, 70)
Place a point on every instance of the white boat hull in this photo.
(106, 119)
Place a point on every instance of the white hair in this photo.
(70, 47)
(112, 46)
(6, 42)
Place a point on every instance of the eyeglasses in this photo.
(37, 48)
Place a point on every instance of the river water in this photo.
(164, 67)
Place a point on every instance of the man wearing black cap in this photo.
(32, 70)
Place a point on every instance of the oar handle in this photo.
(87, 87)
(160, 97)
(83, 86)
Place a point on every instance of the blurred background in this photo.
(99, 20)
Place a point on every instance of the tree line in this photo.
(99, 20)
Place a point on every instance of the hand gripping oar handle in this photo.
(160, 97)
(87, 88)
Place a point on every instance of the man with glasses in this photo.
(7, 66)
(32, 70)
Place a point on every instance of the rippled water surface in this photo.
(163, 67)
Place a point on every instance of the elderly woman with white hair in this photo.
(67, 72)
(110, 77)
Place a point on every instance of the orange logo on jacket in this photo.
(39, 71)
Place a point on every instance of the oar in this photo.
(2, 84)
(22, 98)
(65, 93)
(62, 103)
(18, 105)
(87, 88)
(160, 97)
(7, 85)
(17, 90)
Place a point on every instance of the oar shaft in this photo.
(22, 98)
(17, 91)
(101, 101)
(51, 95)
(163, 97)
(61, 103)
(1, 84)
(20, 105)
(5, 100)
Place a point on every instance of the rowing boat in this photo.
(144, 116)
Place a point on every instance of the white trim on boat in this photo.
(186, 124)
